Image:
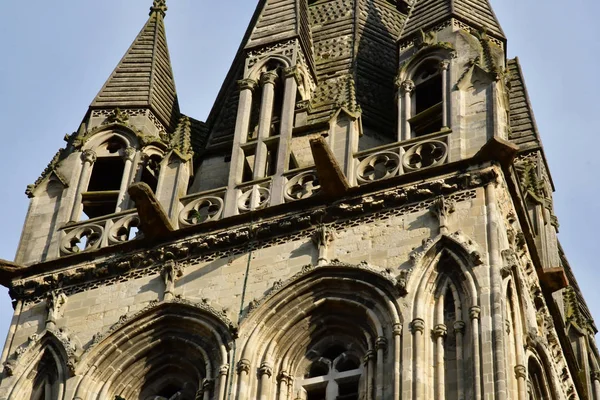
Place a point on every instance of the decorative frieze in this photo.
(267, 233)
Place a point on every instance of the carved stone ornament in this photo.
(247, 84)
(243, 366)
(118, 116)
(469, 246)
(425, 155)
(85, 238)
(254, 198)
(407, 86)
(89, 156)
(159, 6)
(440, 331)
(520, 372)
(55, 303)
(474, 312)
(417, 325)
(263, 233)
(204, 209)
(442, 208)
(265, 369)
(378, 166)
(510, 262)
(459, 327)
(123, 228)
(302, 186)
(170, 273)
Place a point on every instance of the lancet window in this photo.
(423, 105)
(261, 151)
(107, 171)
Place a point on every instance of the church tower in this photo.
(365, 214)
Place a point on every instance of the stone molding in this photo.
(269, 232)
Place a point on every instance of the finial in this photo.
(159, 6)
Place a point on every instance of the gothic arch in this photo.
(438, 52)
(443, 293)
(124, 134)
(41, 371)
(326, 314)
(262, 65)
(168, 348)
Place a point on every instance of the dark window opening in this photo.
(318, 368)
(271, 165)
(333, 352)
(103, 188)
(248, 169)
(427, 98)
(318, 393)
(292, 162)
(348, 390)
(428, 94)
(347, 364)
(106, 174)
(169, 391)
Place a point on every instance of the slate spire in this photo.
(477, 13)
(144, 77)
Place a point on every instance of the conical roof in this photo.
(144, 77)
(478, 13)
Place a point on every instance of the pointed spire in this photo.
(144, 77)
(477, 13)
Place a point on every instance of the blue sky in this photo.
(56, 56)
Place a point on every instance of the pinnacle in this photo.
(159, 7)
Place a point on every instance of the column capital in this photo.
(417, 325)
(89, 156)
(520, 372)
(129, 153)
(474, 312)
(247, 84)
(243, 366)
(439, 331)
(459, 327)
(224, 369)
(285, 377)
(381, 343)
(369, 356)
(444, 64)
(207, 384)
(407, 86)
(293, 71)
(265, 369)
(397, 329)
(595, 375)
(268, 77)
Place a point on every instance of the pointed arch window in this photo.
(424, 102)
(334, 374)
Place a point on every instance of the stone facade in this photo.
(366, 214)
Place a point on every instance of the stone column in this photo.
(439, 333)
(89, 158)
(397, 332)
(521, 375)
(474, 315)
(265, 372)
(223, 371)
(128, 156)
(285, 382)
(370, 366)
(381, 346)
(407, 87)
(267, 80)
(596, 383)
(418, 328)
(240, 137)
(243, 370)
(459, 331)
(285, 133)
(207, 387)
(493, 227)
(444, 65)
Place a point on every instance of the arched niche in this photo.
(316, 330)
(172, 348)
(41, 372)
